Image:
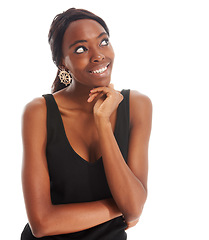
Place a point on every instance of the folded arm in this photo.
(45, 218)
(127, 182)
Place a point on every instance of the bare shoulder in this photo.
(34, 127)
(139, 99)
(140, 106)
(34, 120)
(35, 108)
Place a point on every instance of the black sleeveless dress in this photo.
(74, 180)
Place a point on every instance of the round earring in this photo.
(65, 77)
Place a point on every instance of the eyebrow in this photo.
(81, 41)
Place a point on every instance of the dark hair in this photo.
(56, 33)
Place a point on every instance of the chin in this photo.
(102, 83)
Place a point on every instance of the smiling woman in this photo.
(85, 158)
(77, 39)
(88, 59)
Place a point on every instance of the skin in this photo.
(90, 100)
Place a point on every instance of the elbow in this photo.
(37, 234)
(135, 209)
(133, 215)
(39, 228)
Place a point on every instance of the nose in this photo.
(97, 57)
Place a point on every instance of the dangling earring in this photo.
(65, 77)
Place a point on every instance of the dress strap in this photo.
(123, 127)
(126, 94)
(53, 116)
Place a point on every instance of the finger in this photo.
(111, 85)
(94, 95)
(101, 94)
(101, 89)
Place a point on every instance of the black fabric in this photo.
(74, 180)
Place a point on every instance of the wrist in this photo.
(102, 122)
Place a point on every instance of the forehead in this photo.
(83, 29)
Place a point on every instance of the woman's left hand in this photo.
(107, 101)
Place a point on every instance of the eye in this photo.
(80, 49)
(104, 42)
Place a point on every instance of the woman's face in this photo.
(87, 53)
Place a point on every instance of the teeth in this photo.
(100, 70)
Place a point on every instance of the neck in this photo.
(79, 93)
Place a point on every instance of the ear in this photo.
(62, 67)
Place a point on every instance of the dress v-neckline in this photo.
(67, 140)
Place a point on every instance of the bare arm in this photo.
(45, 218)
(127, 182)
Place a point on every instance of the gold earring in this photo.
(65, 77)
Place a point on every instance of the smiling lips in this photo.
(100, 70)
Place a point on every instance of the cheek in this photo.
(75, 65)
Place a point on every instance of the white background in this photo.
(162, 50)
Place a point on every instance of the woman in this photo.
(85, 158)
